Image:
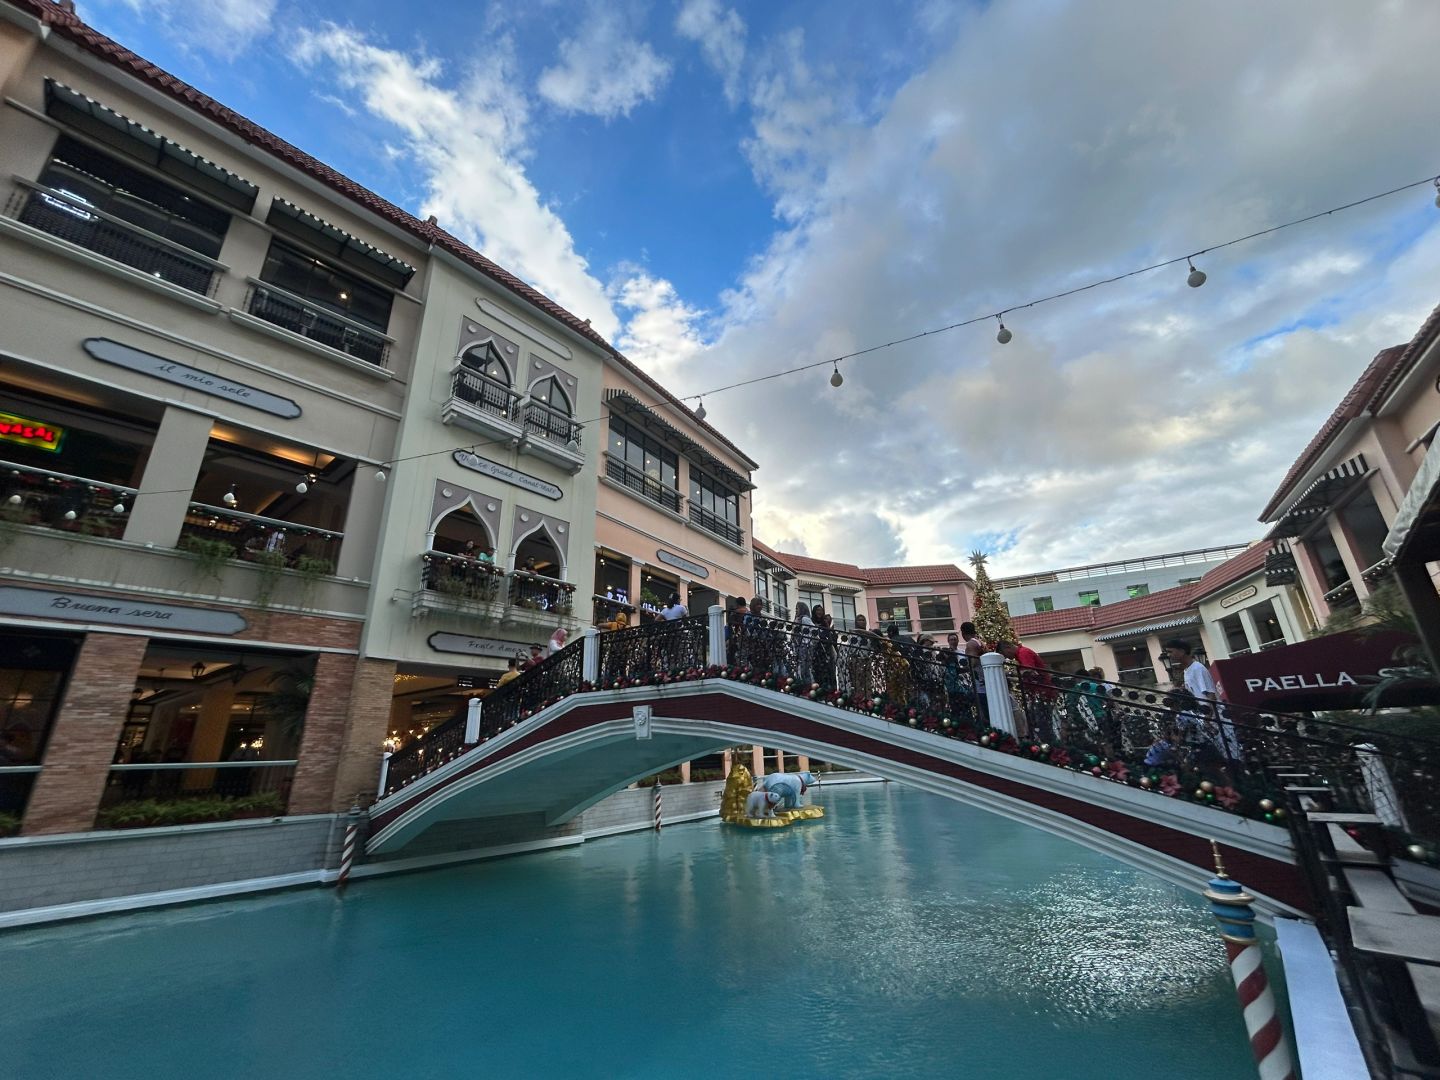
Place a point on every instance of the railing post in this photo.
(384, 774)
(997, 693)
(590, 657)
(716, 654)
(472, 722)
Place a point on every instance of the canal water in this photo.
(903, 936)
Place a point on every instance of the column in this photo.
(1157, 659)
(1247, 624)
(802, 763)
(684, 772)
(1341, 536)
(727, 762)
(757, 761)
(637, 567)
(170, 475)
(363, 518)
(209, 737)
(1087, 657)
(1418, 588)
(1312, 579)
(1105, 659)
(357, 773)
(779, 760)
(81, 746)
(324, 734)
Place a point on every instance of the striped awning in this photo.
(333, 240)
(1148, 628)
(1319, 497)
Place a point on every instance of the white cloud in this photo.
(603, 70)
(662, 332)
(224, 28)
(720, 33)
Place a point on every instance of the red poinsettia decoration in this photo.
(1118, 771)
(1169, 785)
(1059, 756)
(1227, 797)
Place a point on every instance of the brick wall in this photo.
(358, 770)
(324, 734)
(82, 743)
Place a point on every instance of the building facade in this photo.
(1099, 584)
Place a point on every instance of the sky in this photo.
(729, 190)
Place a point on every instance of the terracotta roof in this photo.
(1164, 602)
(916, 575)
(1231, 571)
(67, 24)
(803, 564)
(1385, 364)
(1052, 622)
(771, 554)
(1425, 337)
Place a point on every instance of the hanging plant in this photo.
(211, 556)
(270, 565)
(311, 569)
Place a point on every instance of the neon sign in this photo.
(19, 429)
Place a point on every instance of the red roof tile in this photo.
(770, 553)
(1053, 622)
(1231, 571)
(1164, 602)
(913, 575)
(65, 22)
(803, 564)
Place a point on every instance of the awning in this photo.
(105, 125)
(1319, 497)
(1415, 532)
(637, 412)
(336, 242)
(1149, 628)
(1331, 672)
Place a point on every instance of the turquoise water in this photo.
(903, 936)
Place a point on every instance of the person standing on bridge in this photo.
(1208, 716)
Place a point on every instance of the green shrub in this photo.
(154, 813)
(9, 824)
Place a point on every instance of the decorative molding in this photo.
(500, 315)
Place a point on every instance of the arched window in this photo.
(549, 391)
(487, 360)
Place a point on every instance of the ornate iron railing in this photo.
(426, 754)
(254, 537)
(530, 590)
(485, 393)
(460, 577)
(299, 316)
(548, 422)
(647, 487)
(713, 523)
(1163, 741)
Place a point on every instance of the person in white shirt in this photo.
(675, 610)
(1201, 685)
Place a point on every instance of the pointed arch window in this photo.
(549, 392)
(483, 380)
(486, 359)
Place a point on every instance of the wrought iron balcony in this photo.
(713, 523)
(259, 539)
(484, 404)
(56, 500)
(299, 316)
(536, 592)
(548, 422)
(646, 487)
(68, 217)
(460, 581)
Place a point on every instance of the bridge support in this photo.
(997, 693)
(716, 653)
(472, 722)
(590, 656)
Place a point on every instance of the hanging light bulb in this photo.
(380, 475)
(305, 481)
(836, 378)
(14, 500)
(1196, 278)
(118, 508)
(70, 515)
(229, 498)
(1004, 336)
(700, 410)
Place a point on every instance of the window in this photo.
(1044, 603)
(935, 613)
(762, 585)
(780, 602)
(1366, 526)
(714, 507)
(549, 391)
(1328, 556)
(324, 286)
(486, 359)
(643, 465)
(1187, 581)
(810, 596)
(842, 607)
(1235, 639)
(1090, 598)
(893, 610)
(1267, 624)
(1135, 591)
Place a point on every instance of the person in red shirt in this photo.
(1036, 687)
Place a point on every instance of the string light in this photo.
(700, 410)
(1004, 336)
(305, 481)
(380, 475)
(229, 498)
(1196, 278)
(836, 379)
(118, 508)
(1437, 191)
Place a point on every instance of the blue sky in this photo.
(727, 189)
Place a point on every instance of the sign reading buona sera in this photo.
(116, 611)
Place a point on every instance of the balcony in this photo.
(646, 487)
(456, 583)
(484, 405)
(715, 525)
(71, 504)
(320, 325)
(217, 533)
(70, 218)
(552, 434)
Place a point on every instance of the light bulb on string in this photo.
(70, 515)
(305, 481)
(1004, 336)
(380, 475)
(14, 500)
(700, 410)
(229, 498)
(1196, 277)
(118, 508)
(836, 379)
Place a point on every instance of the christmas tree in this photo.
(991, 618)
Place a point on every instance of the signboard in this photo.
(694, 569)
(1235, 597)
(1331, 672)
(117, 611)
(466, 645)
(33, 433)
(171, 371)
(530, 483)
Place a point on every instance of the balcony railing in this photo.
(645, 486)
(540, 593)
(713, 523)
(548, 422)
(250, 536)
(68, 217)
(459, 577)
(485, 393)
(299, 316)
(56, 500)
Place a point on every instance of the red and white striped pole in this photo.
(347, 850)
(657, 805)
(1230, 904)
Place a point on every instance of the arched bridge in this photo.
(1068, 758)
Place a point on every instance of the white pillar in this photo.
(472, 722)
(590, 656)
(716, 653)
(384, 774)
(169, 478)
(1250, 630)
(997, 692)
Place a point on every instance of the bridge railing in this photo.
(639, 652)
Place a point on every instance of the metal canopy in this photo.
(1415, 532)
(1319, 497)
(332, 240)
(637, 412)
(1149, 628)
(103, 124)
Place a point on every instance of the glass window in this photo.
(1134, 591)
(762, 585)
(549, 391)
(1187, 581)
(1367, 527)
(1267, 624)
(810, 597)
(1328, 556)
(486, 359)
(893, 609)
(713, 497)
(1090, 598)
(842, 606)
(325, 286)
(935, 613)
(642, 453)
(1235, 639)
(1044, 603)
